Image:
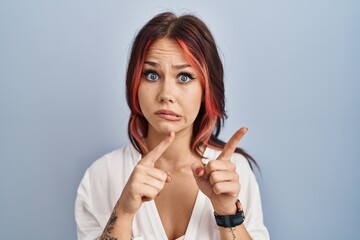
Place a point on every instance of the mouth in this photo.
(168, 115)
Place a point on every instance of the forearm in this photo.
(234, 233)
(231, 231)
(118, 226)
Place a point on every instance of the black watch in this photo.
(228, 221)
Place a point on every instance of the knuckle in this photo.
(135, 177)
(237, 178)
(235, 190)
(212, 164)
(212, 180)
(160, 175)
(139, 168)
(214, 177)
(163, 176)
(158, 184)
(161, 186)
(153, 193)
(217, 188)
(236, 186)
(133, 186)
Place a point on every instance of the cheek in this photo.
(194, 102)
(142, 96)
(146, 97)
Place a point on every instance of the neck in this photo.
(178, 155)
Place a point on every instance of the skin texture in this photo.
(218, 179)
(166, 84)
(171, 174)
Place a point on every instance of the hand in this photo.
(218, 179)
(146, 181)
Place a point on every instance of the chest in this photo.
(175, 205)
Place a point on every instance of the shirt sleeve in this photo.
(88, 226)
(251, 200)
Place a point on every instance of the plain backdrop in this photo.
(292, 75)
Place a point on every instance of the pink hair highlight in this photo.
(136, 126)
(208, 121)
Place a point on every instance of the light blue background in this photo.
(292, 76)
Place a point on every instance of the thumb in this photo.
(198, 170)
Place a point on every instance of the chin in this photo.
(167, 128)
(164, 128)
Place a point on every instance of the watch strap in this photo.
(228, 221)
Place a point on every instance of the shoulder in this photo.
(108, 174)
(111, 170)
(116, 159)
(100, 188)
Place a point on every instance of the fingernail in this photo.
(169, 177)
(198, 170)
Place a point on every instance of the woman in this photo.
(176, 180)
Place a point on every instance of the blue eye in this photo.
(185, 77)
(152, 76)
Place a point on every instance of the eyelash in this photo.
(187, 74)
(146, 74)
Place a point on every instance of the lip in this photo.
(168, 115)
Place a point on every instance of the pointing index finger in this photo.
(231, 145)
(155, 154)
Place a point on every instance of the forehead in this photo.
(166, 50)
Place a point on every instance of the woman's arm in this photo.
(118, 226)
(229, 232)
(232, 233)
(144, 184)
(219, 181)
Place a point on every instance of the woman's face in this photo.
(170, 92)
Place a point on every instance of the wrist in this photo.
(231, 220)
(123, 211)
(225, 209)
(125, 215)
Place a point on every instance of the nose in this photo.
(166, 92)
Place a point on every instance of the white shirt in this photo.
(104, 180)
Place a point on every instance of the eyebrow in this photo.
(181, 66)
